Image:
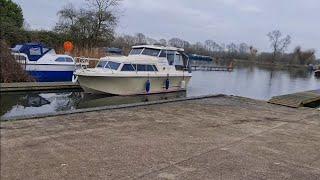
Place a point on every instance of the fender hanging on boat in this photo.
(148, 86)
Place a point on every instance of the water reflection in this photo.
(18, 104)
(90, 100)
(256, 82)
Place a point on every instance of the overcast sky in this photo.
(223, 21)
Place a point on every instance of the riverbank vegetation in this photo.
(10, 70)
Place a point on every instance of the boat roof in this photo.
(131, 59)
(159, 47)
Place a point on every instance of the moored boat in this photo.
(148, 69)
(43, 64)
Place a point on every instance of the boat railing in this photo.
(21, 59)
(85, 62)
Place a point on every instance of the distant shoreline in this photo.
(276, 65)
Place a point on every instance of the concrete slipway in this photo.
(212, 138)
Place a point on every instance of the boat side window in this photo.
(60, 59)
(68, 59)
(151, 52)
(101, 64)
(112, 65)
(135, 51)
(150, 68)
(128, 67)
(141, 67)
(163, 53)
(146, 67)
(35, 51)
(155, 67)
(170, 57)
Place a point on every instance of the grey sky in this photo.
(223, 21)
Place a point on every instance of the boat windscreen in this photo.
(136, 51)
(112, 65)
(151, 52)
(101, 64)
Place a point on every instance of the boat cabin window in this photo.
(146, 67)
(69, 59)
(178, 60)
(64, 59)
(170, 57)
(101, 64)
(139, 67)
(35, 51)
(155, 67)
(136, 51)
(128, 67)
(163, 53)
(60, 59)
(112, 65)
(151, 52)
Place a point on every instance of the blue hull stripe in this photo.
(51, 76)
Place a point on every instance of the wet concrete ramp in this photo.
(296, 100)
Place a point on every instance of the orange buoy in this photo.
(68, 46)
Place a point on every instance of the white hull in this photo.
(131, 85)
(49, 67)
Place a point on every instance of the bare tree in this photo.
(304, 57)
(163, 42)
(151, 41)
(176, 42)
(243, 48)
(278, 43)
(232, 48)
(91, 26)
(140, 39)
(209, 44)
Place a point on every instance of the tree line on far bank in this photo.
(94, 25)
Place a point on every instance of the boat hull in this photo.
(50, 72)
(131, 85)
(51, 76)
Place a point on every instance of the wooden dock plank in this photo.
(296, 99)
(37, 86)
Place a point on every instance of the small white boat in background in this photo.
(148, 69)
(43, 63)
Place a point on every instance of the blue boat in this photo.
(43, 64)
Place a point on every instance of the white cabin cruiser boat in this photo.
(43, 63)
(147, 69)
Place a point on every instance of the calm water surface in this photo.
(253, 82)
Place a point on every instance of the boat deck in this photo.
(296, 100)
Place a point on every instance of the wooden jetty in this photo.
(296, 100)
(211, 68)
(37, 86)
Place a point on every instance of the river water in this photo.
(248, 81)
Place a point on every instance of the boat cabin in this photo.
(33, 51)
(173, 56)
